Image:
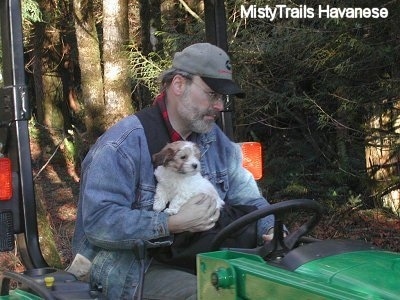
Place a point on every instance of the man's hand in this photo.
(269, 235)
(198, 214)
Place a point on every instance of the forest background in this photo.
(322, 94)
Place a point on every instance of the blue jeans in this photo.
(163, 282)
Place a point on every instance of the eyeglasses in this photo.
(212, 96)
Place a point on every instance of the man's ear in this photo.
(178, 84)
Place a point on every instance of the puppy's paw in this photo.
(171, 211)
(158, 205)
(220, 203)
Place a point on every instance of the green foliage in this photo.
(312, 85)
(70, 147)
(31, 11)
(146, 69)
(179, 29)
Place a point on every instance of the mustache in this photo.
(213, 113)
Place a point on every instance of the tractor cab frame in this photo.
(286, 268)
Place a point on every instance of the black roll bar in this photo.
(215, 23)
(15, 112)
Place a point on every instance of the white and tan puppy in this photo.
(179, 178)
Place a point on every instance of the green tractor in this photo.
(297, 267)
(288, 267)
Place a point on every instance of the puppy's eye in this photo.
(183, 156)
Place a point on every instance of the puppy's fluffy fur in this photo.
(179, 178)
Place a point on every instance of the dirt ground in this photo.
(57, 187)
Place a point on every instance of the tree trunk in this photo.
(91, 72)
(48, 88)
(116, 68)
(383, 144)
(35, 58)
(382, 158)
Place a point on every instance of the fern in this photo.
(145, 70)
(31, 11)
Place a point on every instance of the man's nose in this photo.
(218, 105)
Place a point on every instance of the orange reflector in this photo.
(252, 158)
(5, 179)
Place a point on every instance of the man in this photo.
(118, 186)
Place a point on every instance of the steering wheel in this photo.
(279, 242)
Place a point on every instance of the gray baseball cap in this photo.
(212, 64)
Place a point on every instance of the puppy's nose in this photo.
(194, 165)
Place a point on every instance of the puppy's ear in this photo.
(157, 159)
(163, 157)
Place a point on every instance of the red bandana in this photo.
(160, 101)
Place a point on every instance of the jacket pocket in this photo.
(116, 272)
(144, 197)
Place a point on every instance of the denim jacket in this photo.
(117, 193)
